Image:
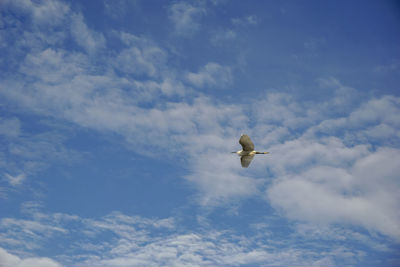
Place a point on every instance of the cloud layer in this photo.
(322, 163)
(121, 240)
(332, 162)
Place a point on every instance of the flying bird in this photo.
(247, 153)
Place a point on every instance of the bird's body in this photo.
(247, 153)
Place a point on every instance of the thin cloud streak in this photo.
(137, 241)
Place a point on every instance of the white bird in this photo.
(247, 153)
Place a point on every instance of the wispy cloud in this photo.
(247, 20)
(140, 56)
(88, 39)
(222, 37)
(185, 17)
(118, 10)
(15, 180)
(137, 241)
(211, 75)
(44, 13)
(25, 154)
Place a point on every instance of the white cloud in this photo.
(170, 86)
(316, 176)
(15, 180)
(42, 27)
(134, 61)
(51, 66)
(118, 10)
(341, 185)
(314, 172)
(311, 171)
(47, 12)
(342, 98)
(248, 20)
(374, 120)
(211, 75)
(137, 241)
(302, 153)
(185, 17)
(89, 39)
(140, 56)
(281, 109)
(49, 18)
(221, 37)
(381, 109)
(36, 230)
(220, 179)
(10, 260)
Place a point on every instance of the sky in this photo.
(117, 119)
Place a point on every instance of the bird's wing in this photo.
(246, 160)
(246, 143)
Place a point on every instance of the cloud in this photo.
(52, 66)
(40, 28)
(308, 167)
(381, 109)
(137, 241)
(211, 75)
(375, 120)
(15, 180)
(221, 37)
(248, 20)
(28, 233)
(48, 18)
(326, 183)
(190, 249)
(140, 56)
(10, 260)
(281, 109)
(24, 156)
(213, 171)
(117, 10)
(88, 39)
(317, 175)
(319, 146)
(185, 17)
(45, 13)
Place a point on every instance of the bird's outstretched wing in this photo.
(246, 143)
(246, 160)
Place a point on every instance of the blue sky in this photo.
(117, 119)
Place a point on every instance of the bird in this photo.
(247, 153)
